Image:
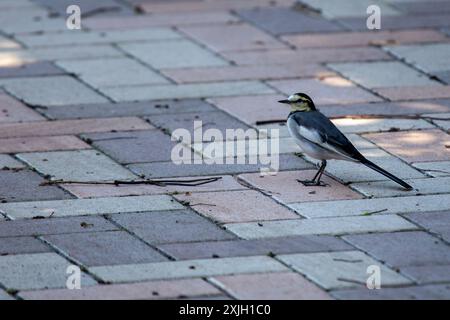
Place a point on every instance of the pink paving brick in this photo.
(329, 90)
(239, 37)
(236, 206)
(415, 146)
(161, 19)
(265, 72)
(414, 93)
(271, 286)
(321, 55)
(96, 191)
(65, 127)
(252, 109)
(133, 291)
(35, 144)
(285, 187)
(354, 39)
(12, 110)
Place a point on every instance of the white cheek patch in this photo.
(293, 97)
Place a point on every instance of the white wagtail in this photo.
(319, 138)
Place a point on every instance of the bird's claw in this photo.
(312, 183)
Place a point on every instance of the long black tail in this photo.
(373, 166)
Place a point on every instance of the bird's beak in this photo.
(284, 101)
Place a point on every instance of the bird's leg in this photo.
(316, 180)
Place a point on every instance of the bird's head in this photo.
(299, 102)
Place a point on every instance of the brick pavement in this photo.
(100, 104)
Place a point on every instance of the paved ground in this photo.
(99, 104)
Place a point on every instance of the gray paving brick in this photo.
(36, 271)
(7, 161)
(81, 207)
(350, 8)
(419, 8)
(166, 54)
(174, 226)
(283, 20)
(366, 206)
(19, 245)
(340, 269)
(24, 185)
(434, 168)
(211, 120)
(80, 37)
(235, 248)
(382, 74)
(112, 72)
(35, 69)
(436, 222)
(415, 248)
(105, 248)
(169, 169)
(134, 146)
(82, 165)
(428, 274)
(58, 90)
(431, 292)
(101, 7)
(188, 269)
(185, 91)
(144, 108)
(39, 227)
(331, 226)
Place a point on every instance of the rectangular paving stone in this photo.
(349, 125)
(271, 286)
(35, 69)
(236, 206)
(320, 55)
(34, 144)
(65, 127)
(419, 55)
(188, 269)
(169, 227)
(36, 271)
(364, 206)
(25, 185)
(165, 54)
(21, 245)
(414, 92)
(80, 37)
(8, 162)
(170, 169)
(428, 274)
(60, 7)
(416, 7)
(80, 207)
(356, 39)
(285, 187)
(434, 168)
(112, 72)
(431, 292)
(186, 91)
(247, 72)
(170, 289)
(285, 20)
(240, 37)
(58, 90)
(15, 111)
(236, 248)
(355, 172)
(415, 248)
(435, 222)
(340, 269)
(80, 165)
(36, 23)
(134, 146)
(414, 146)
(105, 248)
(99, 190)
(421, 187)
(331, 90)
(123, 109)
(350, 8)
(331, 226)
(382, 74)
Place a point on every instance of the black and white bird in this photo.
(319, 138)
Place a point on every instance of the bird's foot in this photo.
(312, 183)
